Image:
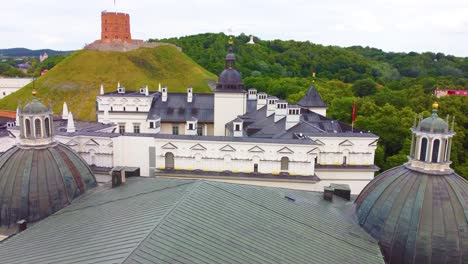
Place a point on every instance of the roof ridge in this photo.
(120, 199)
(290, 218)
(166, 215)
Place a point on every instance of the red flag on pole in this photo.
(353, 115)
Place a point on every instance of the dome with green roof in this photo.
(35, 107)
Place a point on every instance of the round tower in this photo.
(115, 26)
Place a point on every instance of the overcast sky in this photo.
(391, 25)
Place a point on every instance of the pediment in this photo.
(313, 151)
(346, 143)
(197, 147)
(169, 146)
(227, 148)
(110, 144)
(285, 150)
(72, 143)
(91, 142)
(256, 149)
(374, 143)
(319, 142)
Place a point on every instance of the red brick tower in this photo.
(115, 26)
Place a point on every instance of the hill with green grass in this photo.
(76, 79)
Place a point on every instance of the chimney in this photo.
(65, 111)
(144, 90)
(118, 177)
(281, 110)
(252, 94)
(120, 89)
(164, 94)
(189, 94)
(261, 100)
(293, 116)
(70, 124)
(22, 225)
(328, 193)
(101, 91)
(271, 106)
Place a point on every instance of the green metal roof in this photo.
(151, 220)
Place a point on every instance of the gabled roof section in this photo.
(318, 142)
(182, 221)
(346, 143)
(72, 143)
(227, 148)
(91, 142)
(285, 150)
(374, 143)
(256, 149)
(197, 147)
(313, 151)
(169, 146)
(312, 99)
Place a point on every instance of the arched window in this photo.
(422, 154)
(47, 127)
(435, 150)
(27, 123)
(284, 163)
(37, 127)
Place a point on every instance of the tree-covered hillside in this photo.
(389, 88)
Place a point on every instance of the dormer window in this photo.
(121, 90)
(294, 111)
(237, 127)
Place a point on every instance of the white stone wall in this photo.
(96, 151)
(11, 85)
(227, 107)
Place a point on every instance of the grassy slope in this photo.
(77, 78)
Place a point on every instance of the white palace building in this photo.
(234, 135)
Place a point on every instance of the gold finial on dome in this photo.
(34, 92)
(435, 106)
(231, 41)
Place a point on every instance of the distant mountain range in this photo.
(23, 52)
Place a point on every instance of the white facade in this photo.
(11, 85)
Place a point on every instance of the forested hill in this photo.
(23, 52)
(278, 58)
(388, 88)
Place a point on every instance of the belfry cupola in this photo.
(36, 124)
(230, 79)
(431, 143)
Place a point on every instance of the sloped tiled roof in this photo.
(312, 99)
(177, 109)
(150, 220)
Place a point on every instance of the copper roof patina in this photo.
(37, 182)
(417, 217)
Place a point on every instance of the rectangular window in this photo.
(121, 128)
(237, 127)
(136, 128)
(200, 131)
(190, 126)
(151, 124)
(175, 130)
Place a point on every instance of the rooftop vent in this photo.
(22, 225)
